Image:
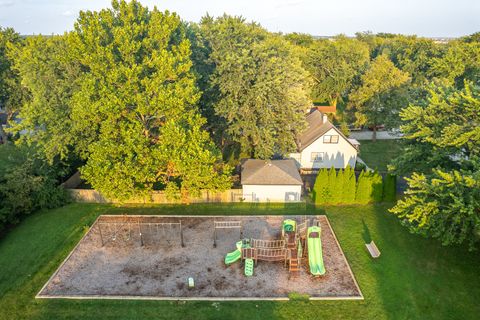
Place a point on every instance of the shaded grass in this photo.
(415, 278)
(377, 155)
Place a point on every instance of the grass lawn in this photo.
(415, 278)
(377, 155)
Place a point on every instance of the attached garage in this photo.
(271, 181)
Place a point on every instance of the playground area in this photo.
(205, 257)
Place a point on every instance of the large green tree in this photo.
(381, 94)
(50, 76)
(460, 62)
(258, 89)
(137, 105)
(11, 93)
(334, 66)
(443, 205)
(443, 132)
(413, 55)
(443, 155)
(131, 111)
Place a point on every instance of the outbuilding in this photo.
(271, 181)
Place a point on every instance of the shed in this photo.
(271, 181)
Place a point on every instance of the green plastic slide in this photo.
(315, 256)
(249, 267)
(233, 256)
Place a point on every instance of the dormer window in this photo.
(330, 139)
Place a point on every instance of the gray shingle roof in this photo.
(316, 128)
(270, 172)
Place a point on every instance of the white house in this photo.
(271, 180)
(322, 145)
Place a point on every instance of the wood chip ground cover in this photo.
(160, 268)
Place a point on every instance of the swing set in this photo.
(126, 229)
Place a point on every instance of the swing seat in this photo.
(373, 250)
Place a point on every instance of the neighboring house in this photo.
(322, 145)
(326, 109)
(271, 180)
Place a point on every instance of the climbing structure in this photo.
(297, 241)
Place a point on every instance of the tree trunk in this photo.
(374, 134)
(3, 135)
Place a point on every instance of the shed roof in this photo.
(270, 172)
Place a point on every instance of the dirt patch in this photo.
(111, 261)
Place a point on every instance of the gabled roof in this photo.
(317, 128)
(354, 141)
(270, 172)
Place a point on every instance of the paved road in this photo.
(367, 135)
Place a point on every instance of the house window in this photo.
(317, 156)
(330, 139)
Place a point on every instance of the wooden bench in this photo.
(372, 248)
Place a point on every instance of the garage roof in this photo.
(270, 172)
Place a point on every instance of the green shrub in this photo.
(343, 188)
(360, 166)
(377, 187)
(364, 188)
(329, 187)
(349, 186)
(25, 188)
(337, 196)
(319, 192)
(390, 188)
(369, 188)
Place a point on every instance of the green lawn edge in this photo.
(415, 278)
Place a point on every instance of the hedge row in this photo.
(27, 185)
(342, 187)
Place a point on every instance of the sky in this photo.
(429, 18)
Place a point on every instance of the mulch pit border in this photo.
(39, 295)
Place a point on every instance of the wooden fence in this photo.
(93, 196)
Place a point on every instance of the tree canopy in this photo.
(334, 65)
(11, 93)
(379, 97)
(258, 89)
(130, 111)
(443, 155)
(50, 77)
(444, 132)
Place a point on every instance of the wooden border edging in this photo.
(112, 297)
(39, 295)
(345, 259)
